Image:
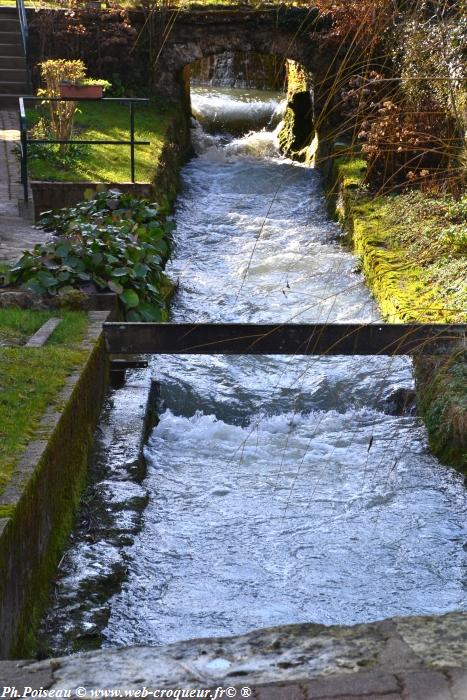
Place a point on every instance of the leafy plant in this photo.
(117, 88)
(61, 114)
(115, 242)
(105, 84)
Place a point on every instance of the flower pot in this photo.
(81, 91)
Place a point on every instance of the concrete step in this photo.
(12, 49)
(11, 87)
(12, 62)
(9, 25)
(14, 75)
(9, 37)
(10, 100)
(8, 11)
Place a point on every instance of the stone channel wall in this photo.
(38, 503)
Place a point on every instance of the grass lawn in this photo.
(31, 378)
(100, 163)
(16, 325)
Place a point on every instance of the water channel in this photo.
(278, 490)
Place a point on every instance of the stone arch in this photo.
(197, 34)
(200, 33)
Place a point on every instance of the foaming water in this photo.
(280, 489)
(235, 110)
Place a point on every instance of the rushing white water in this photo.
(236, 110)
(280, 489)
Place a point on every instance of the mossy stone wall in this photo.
(298, 130)
(175, 152)
(397, 286)
(39, 503)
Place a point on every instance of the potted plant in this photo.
(89, 88)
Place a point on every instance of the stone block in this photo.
(425, 685)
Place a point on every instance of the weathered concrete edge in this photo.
(372, 659)
(43, 494)
(435, 377)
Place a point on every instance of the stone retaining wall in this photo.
(39, 501)
(55, 195)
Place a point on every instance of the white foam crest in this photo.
(224, 107)
(236, 111)
(258, 144)
(203, 429)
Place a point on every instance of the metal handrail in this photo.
(23, 132)
(23, 23)
(24, 141)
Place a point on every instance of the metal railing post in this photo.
(23, 23)
(132, 139)
(24, 149)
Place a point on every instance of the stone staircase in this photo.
(13, 70)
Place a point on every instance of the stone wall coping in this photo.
(380, 659)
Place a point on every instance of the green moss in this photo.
(442, 401)
(351, 171)
(297, 132)
(393, 240)
(403, 287)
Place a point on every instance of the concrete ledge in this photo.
(40, 499)
(403, 658)
(55, 195)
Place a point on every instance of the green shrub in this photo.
(115, 242)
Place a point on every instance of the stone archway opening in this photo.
(240, 69)
(236, 91)
(261, 75)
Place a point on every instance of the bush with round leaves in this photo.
(115, 242)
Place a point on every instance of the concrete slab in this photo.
(292, 662)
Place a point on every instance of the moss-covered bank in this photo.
(38, 503)
(409, 286)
